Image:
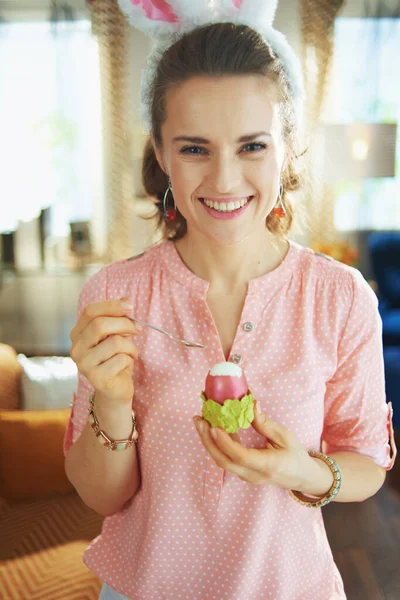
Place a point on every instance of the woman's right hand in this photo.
(104, 352)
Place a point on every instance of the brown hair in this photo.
(210, 50)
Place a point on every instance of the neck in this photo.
(229, 268)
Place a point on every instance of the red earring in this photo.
(169, 213)
(280, 210)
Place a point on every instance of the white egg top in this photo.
(226, 368)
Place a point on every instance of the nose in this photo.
(225, 174)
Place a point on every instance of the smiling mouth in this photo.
(226, 206)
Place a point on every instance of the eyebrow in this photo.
(199, 140)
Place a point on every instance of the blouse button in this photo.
(249, 326)
(236, 358)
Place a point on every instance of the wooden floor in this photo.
(365, 541)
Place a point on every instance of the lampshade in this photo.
(358, 150)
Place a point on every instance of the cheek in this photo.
(185, 175)
(264, 173)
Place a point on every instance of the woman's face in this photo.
(222, 144)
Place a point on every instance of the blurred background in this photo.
(71, 200)
(71, 145)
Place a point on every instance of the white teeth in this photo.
(226, 207)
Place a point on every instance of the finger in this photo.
(103, 376)
(275, 433)
(102, 327)
(235, 436)
(220, 458)
(114, 344)
(111, 308)
(249, 458)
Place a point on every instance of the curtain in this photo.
(112, 32)
(317, 27)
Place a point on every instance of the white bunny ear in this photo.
(156, 18)
(260, 13)
(292, 65)
(193, 11)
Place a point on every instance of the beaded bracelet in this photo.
(337, 481)
(103, 437)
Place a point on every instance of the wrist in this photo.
(115, 421)
(317, 480)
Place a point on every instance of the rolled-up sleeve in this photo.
(357, 416)
(94, 290)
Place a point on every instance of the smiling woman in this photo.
(205, 107)
(201, 514)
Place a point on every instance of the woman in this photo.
(231, 517)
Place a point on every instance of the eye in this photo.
(192, 150)
(257, 146)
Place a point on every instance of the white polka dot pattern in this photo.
(314, 361)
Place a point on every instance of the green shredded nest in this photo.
(230, 416)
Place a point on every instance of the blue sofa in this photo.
(384, 253)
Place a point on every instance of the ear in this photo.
(158, 154)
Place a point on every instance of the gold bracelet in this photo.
(103, 437)
(337, 481)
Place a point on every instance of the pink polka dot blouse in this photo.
(309, 341)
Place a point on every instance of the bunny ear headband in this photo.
(166, 21)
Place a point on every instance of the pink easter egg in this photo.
(225, 381)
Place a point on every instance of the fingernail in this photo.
(199, 424)
(139, 327)
(214, 433)
(257, 407)
(126, 305)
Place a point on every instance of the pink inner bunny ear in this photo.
(157, 10)
(237, 3)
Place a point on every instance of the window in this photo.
(50, 123)
(367, 89)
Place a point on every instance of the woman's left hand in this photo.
(283, 462)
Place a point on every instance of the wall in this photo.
(357, 8)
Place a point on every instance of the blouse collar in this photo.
(179, 271)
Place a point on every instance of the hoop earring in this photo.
(280, 210)
(169, 213)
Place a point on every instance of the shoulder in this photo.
(134, 266)
(343, 280)
(120, 277)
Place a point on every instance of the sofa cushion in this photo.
(384, 249)
(391, 327)
(10, 372)
(47, 382)
(31, 454)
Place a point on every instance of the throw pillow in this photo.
(47, 382)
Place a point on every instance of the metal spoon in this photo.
(183, 342)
